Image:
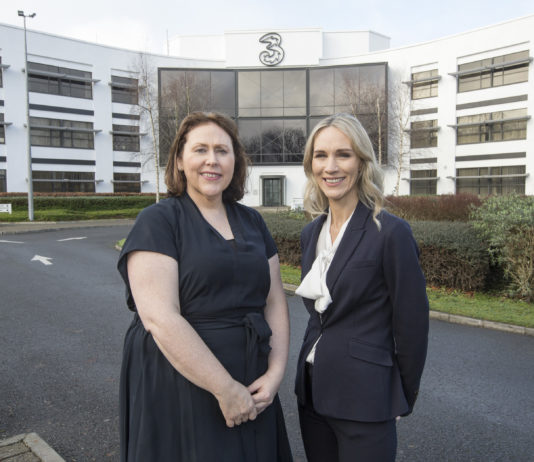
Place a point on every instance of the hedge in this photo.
(285, 227)
(452, 255)
(446, 207)
(81, 202)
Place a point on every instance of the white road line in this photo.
(43, 260)
(71, 239)
(12, 242)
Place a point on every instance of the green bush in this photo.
(285, 227)
(447, 207)
(507, 224)
(80, 203)
(452, 255)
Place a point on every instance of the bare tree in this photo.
(398, 128)
(181, 93)
(147, 108)
(367, 102)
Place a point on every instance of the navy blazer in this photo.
(374, 335)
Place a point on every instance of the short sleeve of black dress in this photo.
(155, 230)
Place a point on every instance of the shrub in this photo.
(285, 227)
(448, 207)
(507, 224)
(452, 255)
(83, 203)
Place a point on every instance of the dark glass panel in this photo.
(249, 94)
(223, 92)
(321, 92)
(272, 93)
(294, 93)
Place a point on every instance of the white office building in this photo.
(447, 116)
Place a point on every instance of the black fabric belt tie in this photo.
(258, 334)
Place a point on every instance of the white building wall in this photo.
(241, 49)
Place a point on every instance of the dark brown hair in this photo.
(175, 179)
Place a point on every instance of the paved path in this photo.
(62, 331)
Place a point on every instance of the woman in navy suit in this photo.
(365, 345)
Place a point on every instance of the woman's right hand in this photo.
(236, 404)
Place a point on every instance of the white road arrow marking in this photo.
(71, 239)
(43, 260)
(12, 242)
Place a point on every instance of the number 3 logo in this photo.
(274, 53)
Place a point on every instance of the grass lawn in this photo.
(473, 305)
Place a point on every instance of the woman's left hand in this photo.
(263, 391)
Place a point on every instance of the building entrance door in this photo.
(273, 192)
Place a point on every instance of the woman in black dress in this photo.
(207, 349)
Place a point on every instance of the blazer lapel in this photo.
(350, 240)
(308, 255)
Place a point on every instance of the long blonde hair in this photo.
(369, 183)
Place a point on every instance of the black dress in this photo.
(223, 287)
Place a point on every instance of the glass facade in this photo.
(127, 182)
(484, 128)
(494, 72)
(425, 84)
(275, 109)
(421, 186)
(424, 134)
(54, 80)
(61, 133)
(63, 182)
(499, 180)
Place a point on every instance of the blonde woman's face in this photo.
(335, 166)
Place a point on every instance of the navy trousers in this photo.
(336, 440)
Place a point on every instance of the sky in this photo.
(145, 25)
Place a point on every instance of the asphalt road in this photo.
(61, 333)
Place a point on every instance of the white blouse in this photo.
(313, 285)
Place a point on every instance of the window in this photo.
(124, 90)
(272, 93)
(420, 185)
(126, 138)
(492, 126)
(358, 90)
(2, 129)
(276, 108)
(3, 186)
(491, 180)
(272, 141)
(127, 182)
(425, 84)
(63, 181)
(61, 133)
(54, 80)
(185, 91)
(493, 72)
(424, 134)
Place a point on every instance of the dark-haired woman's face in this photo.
(207, 161)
